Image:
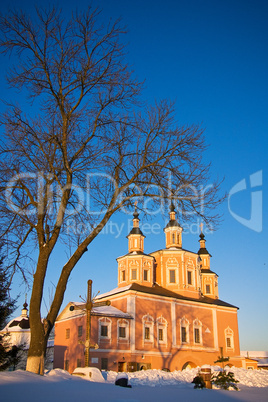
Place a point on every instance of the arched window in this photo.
(122, 330)
(229, 338)
(148, 328)
(197, 329)
(161, 324)
(184, 330)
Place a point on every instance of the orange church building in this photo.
(164, 314)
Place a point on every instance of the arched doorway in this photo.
(188, 365)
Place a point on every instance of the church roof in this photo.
(160, 291)
(108, 311)
(132, 253)
(18, 324)
(136, 231)
(203, 251)
(172, 223)
(208, 271)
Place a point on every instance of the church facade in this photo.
(164, 314)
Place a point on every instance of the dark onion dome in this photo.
(203, 250)
(172, 223)
(136, 231)
(136, 214)
(202, 236)
(172, 207)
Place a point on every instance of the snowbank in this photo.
(156, 385)
(153, 378)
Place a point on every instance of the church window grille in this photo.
(184, 330)
(133, 274)
(197, 327)
(189, 277)
(145, 275)
(161, 330)
(123, 276)
(80, 331)
(147, 333)
(183, 334)
(122, 332)
(208, 289)
(104, 330)
(196, 335)
(172, 276)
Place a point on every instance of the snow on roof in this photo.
(18, 324)
(101, 311)
(113, 291)
(254, 353)
(110, 310)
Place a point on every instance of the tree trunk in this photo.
(40, 330)
(36, 353)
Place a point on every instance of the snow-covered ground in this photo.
(150, 385)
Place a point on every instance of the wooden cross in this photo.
(89, 306)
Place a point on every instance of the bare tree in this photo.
(82, 148)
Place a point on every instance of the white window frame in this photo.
(190, 271)
(197, 325)
(134, 265)
(108, 322)
(161, 323)
(172, 264)
(229, 333)
(185, 323)
(148, 321)
(125, 324)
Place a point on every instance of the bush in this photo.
(199, 382)
(225, 380)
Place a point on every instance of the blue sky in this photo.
(210, 57)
